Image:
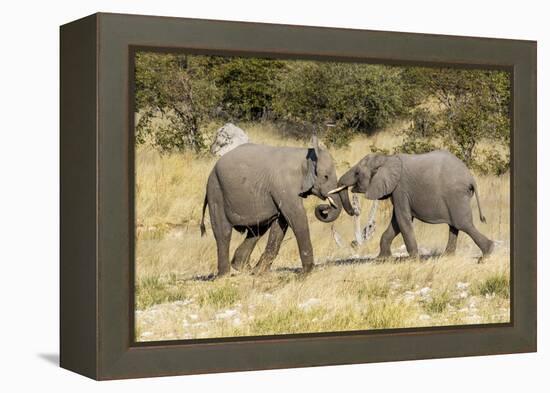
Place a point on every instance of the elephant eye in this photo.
(326, 177)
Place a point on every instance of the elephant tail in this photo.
(481, 216)
(203, 228)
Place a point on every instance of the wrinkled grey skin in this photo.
(435, 188)
(255, 188)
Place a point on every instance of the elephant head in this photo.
(375, 175)
(319, 179)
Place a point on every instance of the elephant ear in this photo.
(310, 171)
(384, 181)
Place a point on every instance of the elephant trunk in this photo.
(344, 196)
(328, 213)
(347, 180)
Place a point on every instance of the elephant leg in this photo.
(451, 243)
(387, 237)
(221, 226)
(296, 217)
(464, 222)
(405, 222)
(487, 246)
(242, 253)
(222, 232)
(276, 236)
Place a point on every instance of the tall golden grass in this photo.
(176, 299)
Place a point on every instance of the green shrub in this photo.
(378, 150)
(338, 137)
(155, 289)
(492, 161)
(415, 146)
(247, 86)
(358, 97)
(220, 297)
(498, 284)
(438, 302)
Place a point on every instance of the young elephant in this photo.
(435, 187)
(254, 188)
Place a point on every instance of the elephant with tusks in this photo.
(434, 187)
(258, 188)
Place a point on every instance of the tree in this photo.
(247, 85)
(470, 106)
(353, 97)
(176, 89)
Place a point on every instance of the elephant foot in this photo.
(260, 269)
(384, 255)
(241, 267)
(487, 252)
(222, 274)
(449, 253)
(307, 268)
(489, 249)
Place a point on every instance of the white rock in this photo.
(146, 334)
(237, 321)
(228, 137)
(395, 284)
(226, 314)
(183, 302)
(194, 317)
(424, 317)
(463, 295)
(408, 296)
(425, 291)
(462, 285)
(310, 303)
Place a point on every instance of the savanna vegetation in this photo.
(356, 109)
(454, 108)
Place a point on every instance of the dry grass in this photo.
(176, 299)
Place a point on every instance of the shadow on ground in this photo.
(359, 260)
(52, 358)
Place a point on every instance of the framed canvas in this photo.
(210, 175)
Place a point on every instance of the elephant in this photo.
(434, 187)
(254, 188)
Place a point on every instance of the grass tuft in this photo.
(438, 302)
(497, 284)
(224, 296)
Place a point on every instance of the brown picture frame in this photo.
(97, 219)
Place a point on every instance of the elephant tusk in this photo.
(337, 190)
(332, 203)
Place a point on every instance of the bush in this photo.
(472, 105)
(247, 86)
(338, 137)
(378, 150)
(358, 97)
(493, 162)
(173, 88)
(497, 284)
(415, 146)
